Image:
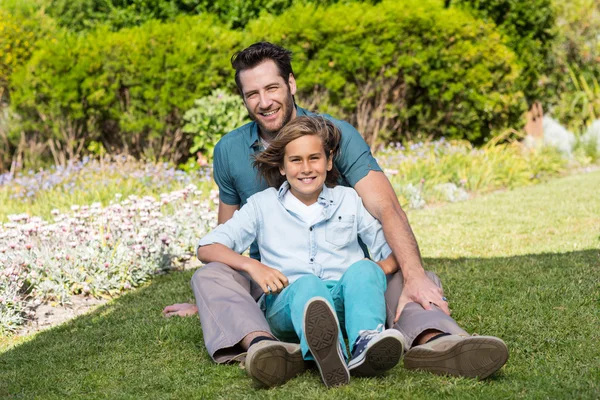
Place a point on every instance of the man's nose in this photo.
(265, 101)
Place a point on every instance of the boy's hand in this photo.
(270, 280)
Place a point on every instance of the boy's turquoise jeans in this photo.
(358, 299)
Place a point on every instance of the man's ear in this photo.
(292, 84)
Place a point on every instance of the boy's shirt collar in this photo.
(325, 198)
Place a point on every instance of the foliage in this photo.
(97, 251)
(211, 117)
(19, 32)
(580, 104)
(126, 90)
(401, 68)
(578, 44)
(88, 14)
(589, 142)
(424, 173)
(530, 27)
(88, 181)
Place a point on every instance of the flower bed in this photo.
(95, 250)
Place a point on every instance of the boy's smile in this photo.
(305, 167)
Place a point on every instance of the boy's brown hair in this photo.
(270, 161)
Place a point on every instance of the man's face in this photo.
(268, 97)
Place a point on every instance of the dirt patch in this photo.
(46, 316)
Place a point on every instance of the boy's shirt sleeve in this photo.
(355, 159)
(237, 233)
(223, 178)
(371, 233)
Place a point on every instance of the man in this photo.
(226, 299)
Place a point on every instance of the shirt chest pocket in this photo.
(339, 230)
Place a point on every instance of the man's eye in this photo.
(272, 89)
(251, 95)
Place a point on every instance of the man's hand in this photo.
(180, 310)
(423, 291)
(267, 277)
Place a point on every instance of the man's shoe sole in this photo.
(274, 364)
(475, 357)
(321, 332)
(382, 356)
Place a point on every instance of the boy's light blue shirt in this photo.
(326, 248)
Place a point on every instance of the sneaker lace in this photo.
(368, 334)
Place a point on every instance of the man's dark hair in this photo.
(258, 53)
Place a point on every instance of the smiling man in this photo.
(231, 319)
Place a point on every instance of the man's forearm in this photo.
(380, 200)
(402, 241)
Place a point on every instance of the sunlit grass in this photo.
(510, 268)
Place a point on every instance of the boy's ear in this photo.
(281, 171)
(330, 163)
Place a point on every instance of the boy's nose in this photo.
(306, 168)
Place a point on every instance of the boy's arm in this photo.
(266, 277)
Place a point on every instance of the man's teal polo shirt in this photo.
(238, 179)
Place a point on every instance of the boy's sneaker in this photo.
(321, 331)
(376, 351)
(270, 363)
(471, 356)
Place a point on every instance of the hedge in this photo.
(401, 68)
(127, 90)
(88, 14)
(394, 70)
(531, 31)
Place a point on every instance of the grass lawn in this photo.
(523, 265)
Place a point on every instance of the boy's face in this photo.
(268, 97)
(305, 167)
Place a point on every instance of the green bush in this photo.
(530, 30)
(211, 117)
(127, 90)
(85, 14)
(19, 33)
(401, 69)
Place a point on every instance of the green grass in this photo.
(523, 265)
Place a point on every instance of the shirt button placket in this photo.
(312, 245)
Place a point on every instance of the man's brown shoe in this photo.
(470, 356)
(270, 363)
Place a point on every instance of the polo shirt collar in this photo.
(254, 139)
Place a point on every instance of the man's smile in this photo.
(270, 113)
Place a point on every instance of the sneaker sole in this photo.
(321, 332)
(275, 365)
(475, 357)
(382, 356)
